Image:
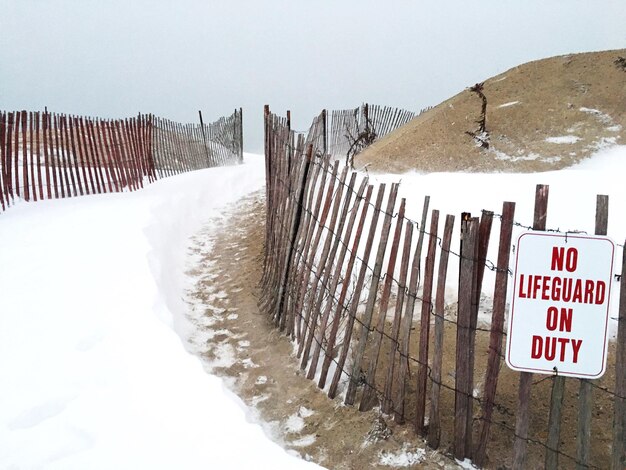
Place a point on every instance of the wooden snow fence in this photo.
(337, 132)
(49, 156)
(361, 289)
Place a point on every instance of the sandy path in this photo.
(237, 342)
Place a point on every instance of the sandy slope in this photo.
(542, 115)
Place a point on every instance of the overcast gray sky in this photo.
(171, 58)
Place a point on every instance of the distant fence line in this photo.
(49, 155)
(330, 283)
(344, 133)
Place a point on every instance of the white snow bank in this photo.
(93, 374)
(510, 103)
(404, 458)
(599, 115)
(563, 139)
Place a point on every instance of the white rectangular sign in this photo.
(558, 322)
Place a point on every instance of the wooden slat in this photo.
(523, 398)
(554, 423)
(585, 393)
(135, 129)
(463, 394)
(31, 153)
(407, 320)
(497, 329)
(59, 155)
(38, 153)
(422, 366)
(4, 197)
(16, 152)
(434, 420)
(482, 246)
(8, 158)
(46, 153)
(53, 149)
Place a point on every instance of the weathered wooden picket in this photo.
(48, 155)
(333, 282)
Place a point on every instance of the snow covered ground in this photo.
(94, 374)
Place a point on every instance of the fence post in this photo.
(240, 135)
(325, 131)
(25, 152)
(497, 328)
(554, 423)
(7, 167)
(206, 147)
(463, 392)
(523, 399)
(585, 394)
(480, 255)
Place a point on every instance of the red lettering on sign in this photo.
(576, 343)
(552, 348)
(563, 321)
(561, 289)
(559, 255)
